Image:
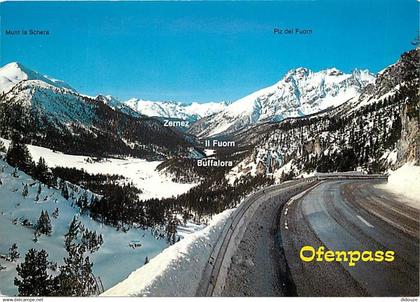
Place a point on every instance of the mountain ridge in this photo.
(287, 97)
(48, 113)
(372, 133)
(300, 92)
(192, 111)
(15, 72)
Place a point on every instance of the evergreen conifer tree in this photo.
(13, 252)
(25, 190)
(33, 276)
(65, 191)
(41, 172)
(18, 155)
(15, 173)
(82, 202)
(44, 224)
(55, 213)
(72, 233)
(76, 277)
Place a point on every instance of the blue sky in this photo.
(202, 51)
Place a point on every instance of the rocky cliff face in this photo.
(409, 144)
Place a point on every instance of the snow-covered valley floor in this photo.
(141, 172)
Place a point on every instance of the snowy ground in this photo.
(141, 172)
(405, 182)
(174, 270)
(107, 261)
(177, 270)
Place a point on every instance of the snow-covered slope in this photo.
(300, 92)
(55, 100)
(57, 105)
(175, 110)
(15, 208)
(177, 270)
(14, 73)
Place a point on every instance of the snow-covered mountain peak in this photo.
(14, 73)
(300, 92)
(333, 72)
(299, 72)
(363, 76)
(177, 110)
(12, 69)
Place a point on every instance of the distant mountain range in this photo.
(175, 110)
(52, 114)
(299, 93)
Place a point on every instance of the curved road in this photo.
(213, 280)
(352, 215)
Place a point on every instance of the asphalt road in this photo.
(231, 266)
(352, 215)
(257, 265)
